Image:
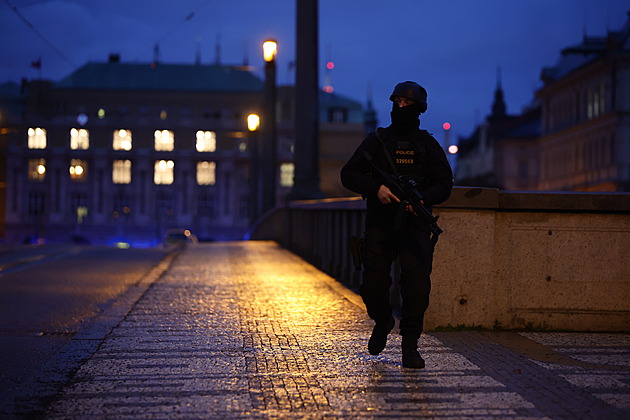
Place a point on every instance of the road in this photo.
(47, 294)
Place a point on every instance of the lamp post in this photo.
(253, 123)
(269, 175)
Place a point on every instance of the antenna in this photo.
(245, 54)
(498, 77)
(198, 50)
(217, 51)
(328, 87)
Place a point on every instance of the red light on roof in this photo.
(330, 65)
(446, 126)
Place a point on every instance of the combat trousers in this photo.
(415, 252)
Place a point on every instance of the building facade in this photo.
(575, 136)
(585, 101)
(502, 152)
(121, 153)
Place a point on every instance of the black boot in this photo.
(410, 356)
(378, 340)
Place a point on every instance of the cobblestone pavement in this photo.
(248, 330)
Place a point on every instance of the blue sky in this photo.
(451, 47)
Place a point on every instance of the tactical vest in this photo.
(410, 158)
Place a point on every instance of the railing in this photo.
(543, 260)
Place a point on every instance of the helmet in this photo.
(413, 91)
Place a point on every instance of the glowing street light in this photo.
(270, 49)
(253, 122)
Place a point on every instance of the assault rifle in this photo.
(406, 189)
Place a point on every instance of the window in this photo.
(121, 204)
(206, 173)
(121, 172)
(523, 171)
(286, 174)
(164, 172)
(206, 205)
(36, 169)
(36, 138)
(206, 141)
(79, 139)
(337, 115)
(78, 170)
(36, 203)
(164, 140)
(164, 204)
(122, 140)
(78, 205)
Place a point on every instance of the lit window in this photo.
(206, 141)
(79, 139)
(122, 140)
(36, 169)
(164, 170)
(121, 172)
(36, 138)
(206, 173)
(164, 140)
(78, 170)
(286, 174)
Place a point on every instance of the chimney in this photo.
(114, 58)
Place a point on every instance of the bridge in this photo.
(272, 327)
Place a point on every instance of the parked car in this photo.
(179, 236)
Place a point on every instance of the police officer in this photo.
(393, 230)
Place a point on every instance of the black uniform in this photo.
(390, 230)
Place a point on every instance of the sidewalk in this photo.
(248, 330)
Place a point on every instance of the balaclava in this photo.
(407, 118)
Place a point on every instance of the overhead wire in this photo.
(39, 34)
(187, 19)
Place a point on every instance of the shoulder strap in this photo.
(387, 154)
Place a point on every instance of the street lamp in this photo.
(253, 123)
(268, 199)
(270, 49)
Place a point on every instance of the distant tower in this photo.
(498, 106)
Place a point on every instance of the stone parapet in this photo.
(524, 260)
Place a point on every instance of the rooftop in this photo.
(114, 75)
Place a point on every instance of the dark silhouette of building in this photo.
(501, 152)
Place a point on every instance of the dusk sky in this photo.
(451, 47)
